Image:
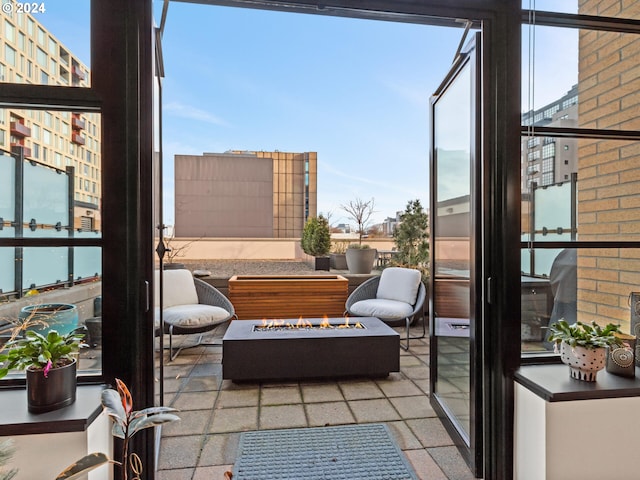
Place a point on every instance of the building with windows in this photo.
(30, 54)
(550, 160)
(245, 194)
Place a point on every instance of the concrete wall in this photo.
(82, 296)
(251, 248)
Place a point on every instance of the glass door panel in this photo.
(455, 336)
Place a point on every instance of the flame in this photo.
(303, 323)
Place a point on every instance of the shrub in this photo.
(316, 237)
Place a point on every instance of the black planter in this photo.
(323, 263)
(55, 391)
(94, 330)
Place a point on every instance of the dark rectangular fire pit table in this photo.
(249, 353)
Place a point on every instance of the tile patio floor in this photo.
(214, 412)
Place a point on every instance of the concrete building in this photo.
(550, 160)
(245, 194)
(30, 54)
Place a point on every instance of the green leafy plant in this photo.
(358, 246)
(316, 237)
(40, 352)
(584, 335)
(412, 236)
(118, 405)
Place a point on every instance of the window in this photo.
(10, 55)
(44, 78)
(41, 57)
(42, 37)
(599, 141)
(9, 31)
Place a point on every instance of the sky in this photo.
(354, 91)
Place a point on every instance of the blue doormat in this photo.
(350, 452)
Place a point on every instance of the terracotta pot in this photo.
(56, 390)
(584, 363)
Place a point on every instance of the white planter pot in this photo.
(584, 363)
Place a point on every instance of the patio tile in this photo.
(227, 420)
(179, 474)
(398, 388)
(403, 435)
(282, 416)
(179, 452)
(328, 392)
(174, 384)
(417, 373)
(425, 467)
(238, 398)
(207, 370)
(177, 371)
(451, 462)
(192, 422)
(194, 401)
(219, 450)
(330, 413)
(423, 385)
(409, 361)
(413, 407)
(280, 396)
(378, 410)
(209, 473)
(430, 432)
(201, 384)
(361, 390)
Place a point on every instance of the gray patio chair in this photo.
(396, 297)
(190, 306)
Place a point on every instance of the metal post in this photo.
(71, 227)
(18, 155)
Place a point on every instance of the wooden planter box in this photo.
(288, 296)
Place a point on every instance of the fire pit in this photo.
(309, 348)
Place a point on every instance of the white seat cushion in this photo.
(401, 284)
(178, 288)
(194, 315)
(381, 308)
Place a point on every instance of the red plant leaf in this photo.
(125, 395)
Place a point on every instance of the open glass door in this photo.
(455, 313)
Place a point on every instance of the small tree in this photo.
(412, 236)
(360, 211)
(316, 237)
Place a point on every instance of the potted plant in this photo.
(360, 257)
(584, 346)
(50, 363)
(337, 256)
(118, 405)
(316, 241)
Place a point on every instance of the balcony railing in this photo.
(77, 72)
(77, 139)
(20, 130)
(78, 123)
(26, 150)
